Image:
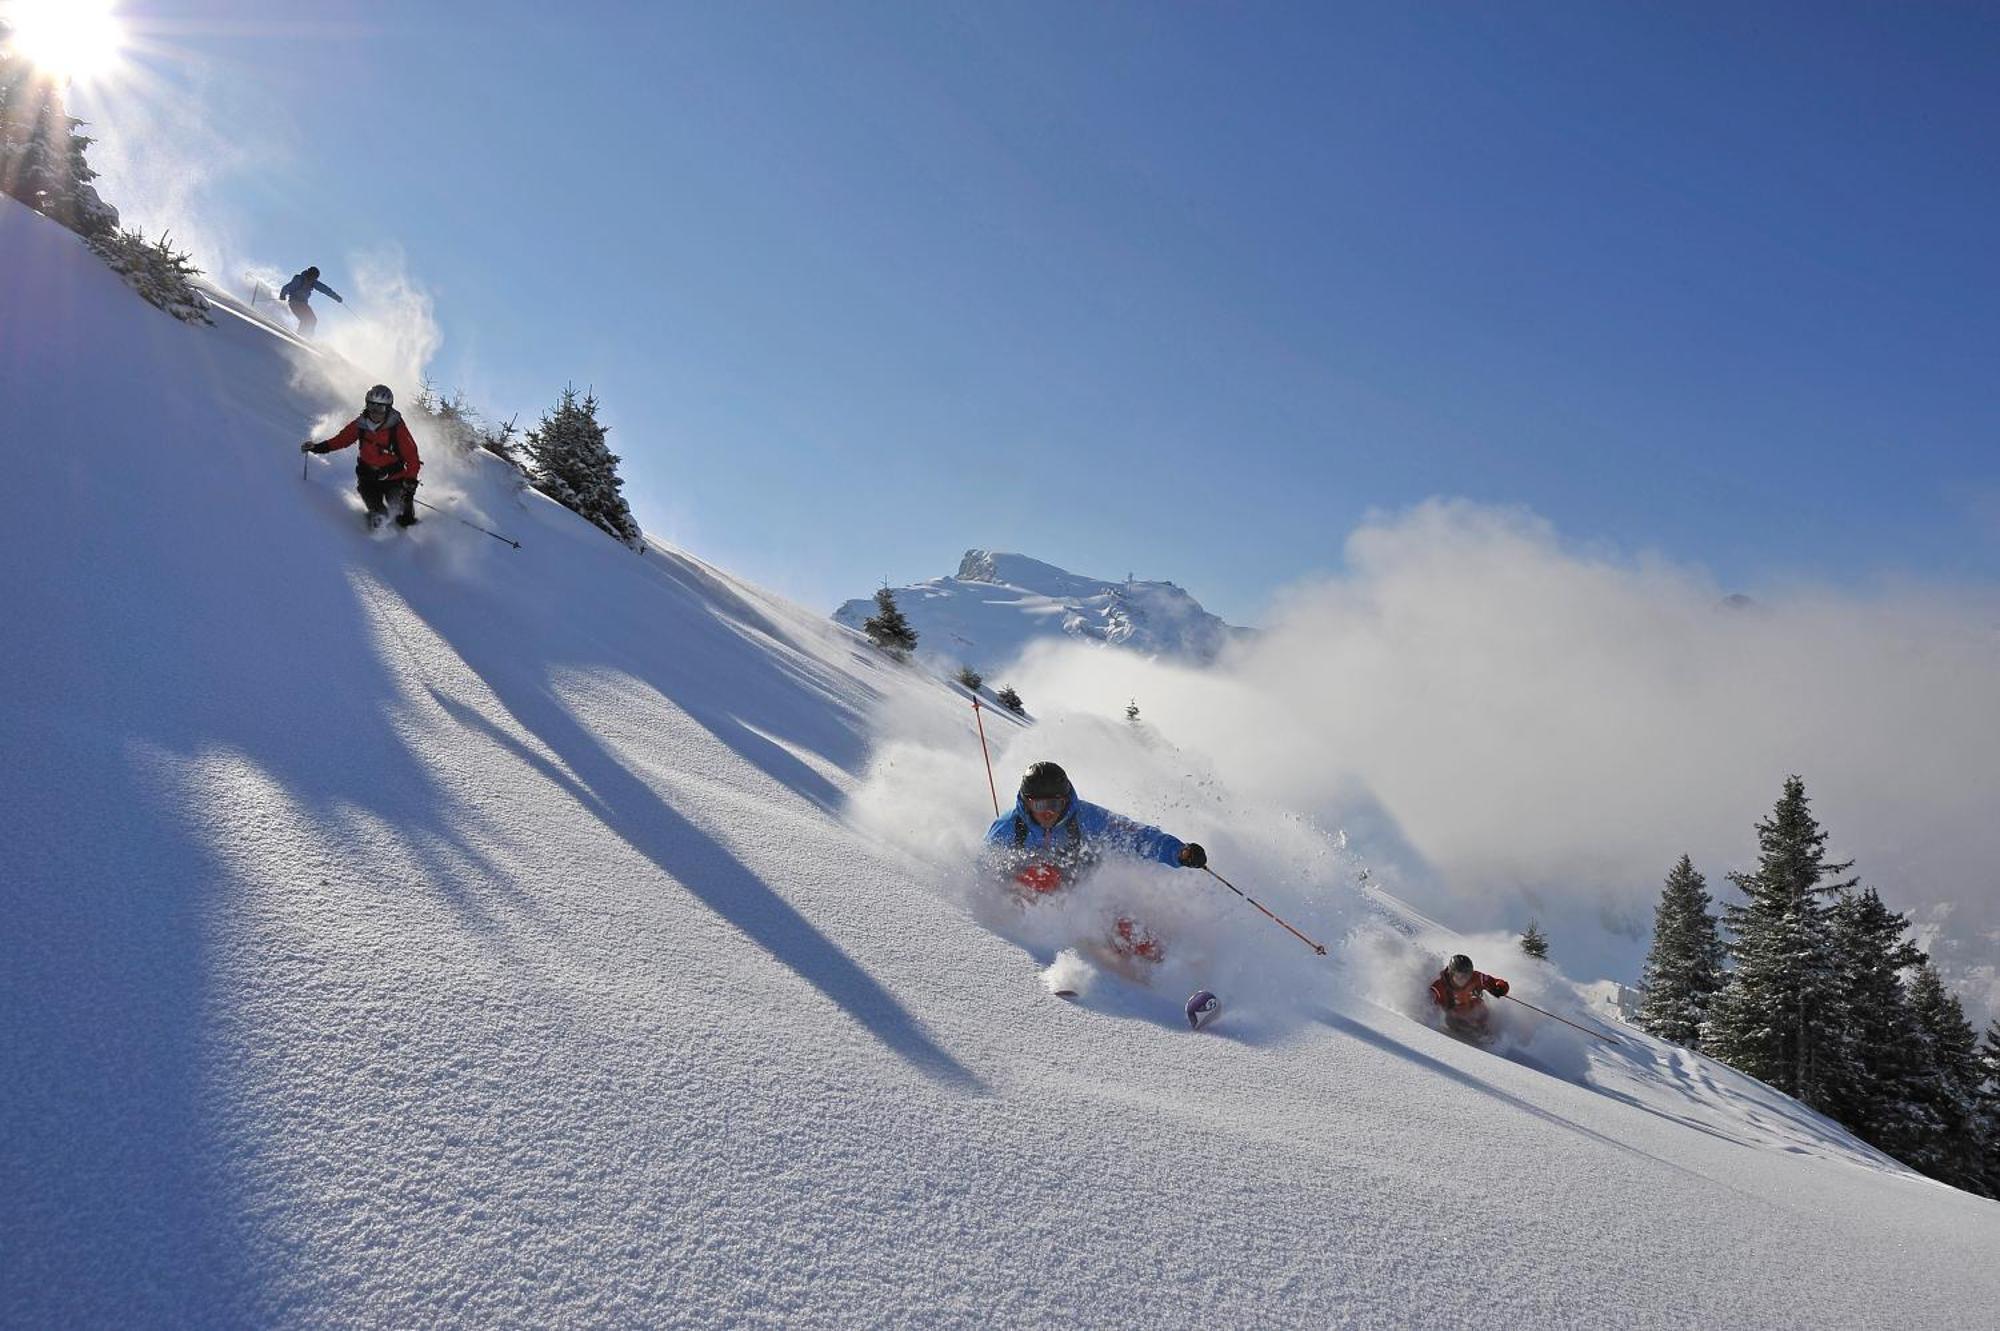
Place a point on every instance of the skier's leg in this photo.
(406, 494)
(1135, 940)
(307, 319)
(370, 490)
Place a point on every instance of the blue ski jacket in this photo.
(304, 287)
(1080, 836)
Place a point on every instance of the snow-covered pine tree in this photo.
(1534, 942)
(576, 468)
(162, 275)
(1684, 965)
(1010, 700)
(1781, 1013)
(887, 628)
(1989, 1104)
(1884, 1099)
(1957, 1153)
(969, 677)
(42, 153)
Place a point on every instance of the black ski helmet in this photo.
(380, 395)
(1044, 781)
(1460, 965)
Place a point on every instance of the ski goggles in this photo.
(1047, 803)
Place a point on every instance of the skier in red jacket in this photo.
(1461, 992)
(388, 463)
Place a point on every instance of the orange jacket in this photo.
(1454, 999)
(389, 448)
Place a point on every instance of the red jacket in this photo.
(389, 445)
(1455, 1000)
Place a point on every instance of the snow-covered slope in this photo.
(997, 604)
(417, 931)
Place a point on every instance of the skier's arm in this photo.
(1136, 838)
(321, 286)
(1496, 986)
(348, 434)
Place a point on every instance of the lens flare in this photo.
(72, 40)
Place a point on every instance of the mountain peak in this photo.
(999, 602)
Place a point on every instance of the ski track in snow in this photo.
(416, 931)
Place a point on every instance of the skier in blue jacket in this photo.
(298, 291)
(1052, 838)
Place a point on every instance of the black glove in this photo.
(309, 447)
(1500, 988)
(1193, 856)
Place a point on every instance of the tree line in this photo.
(1811, 984)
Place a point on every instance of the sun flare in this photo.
(73, 40)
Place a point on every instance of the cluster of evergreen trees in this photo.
(1817, 990)
(44, 163)
(565, 456)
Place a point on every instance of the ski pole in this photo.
(1317, 947)
(991, 789)
(475, 526)
(1609, 1039)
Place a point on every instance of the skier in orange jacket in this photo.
(388, 463)
(1461, 992)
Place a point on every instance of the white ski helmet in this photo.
(380, 395)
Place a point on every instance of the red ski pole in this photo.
(991, 789)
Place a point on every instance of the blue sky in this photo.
(1177, 289)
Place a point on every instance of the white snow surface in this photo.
(412, 931)
(997, 605)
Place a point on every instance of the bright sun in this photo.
(68, 39)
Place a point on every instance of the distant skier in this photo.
(388, 464)
(298, 291)
(1461, 992)
(1053, 839)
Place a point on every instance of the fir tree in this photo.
(1534, 942)
(1684, 965)
(1956, 1153)
(1989, 1105)
(1132, 711)
(43, 156)
(887, 628)
(1011, 700)
(969, 677)
(576, 468)
(1884, 1098)
(1780, 1015)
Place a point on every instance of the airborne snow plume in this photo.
(1508, 725)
